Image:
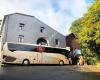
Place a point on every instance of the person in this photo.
(77, 52)
(77, 55)
(81, 60)
(70, 60)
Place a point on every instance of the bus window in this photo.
(21, 47)
(56, 50)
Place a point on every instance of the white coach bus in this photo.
(21, 53)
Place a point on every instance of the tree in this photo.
(76, 26)
(88, 30)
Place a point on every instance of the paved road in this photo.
(37, 72)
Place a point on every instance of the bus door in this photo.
(35, 58)
(40, 54)
(40, 58)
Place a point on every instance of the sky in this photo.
(58, 14)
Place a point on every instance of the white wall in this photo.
(31, 30)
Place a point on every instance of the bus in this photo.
(26, 54)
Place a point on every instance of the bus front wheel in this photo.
(61, 63)
(25, 62)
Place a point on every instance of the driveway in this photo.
(45, 72)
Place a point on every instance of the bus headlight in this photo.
(8, 58)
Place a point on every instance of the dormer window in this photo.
(21, 25)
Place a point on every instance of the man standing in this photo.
(78, 55)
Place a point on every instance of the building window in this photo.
(21, 25)
(42, 29)
(57, 42)
(20, 38)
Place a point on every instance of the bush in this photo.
(91, 61)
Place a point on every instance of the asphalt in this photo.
(46, 72)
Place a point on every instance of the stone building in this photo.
(22, 28)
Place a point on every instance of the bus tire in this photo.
(61, 63)
(25, 62)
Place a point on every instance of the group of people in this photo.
(76, 57)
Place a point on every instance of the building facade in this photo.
(22, 28)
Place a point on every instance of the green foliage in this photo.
(76, 26)
(87, 30)
(91, 61)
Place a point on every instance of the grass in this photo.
(98, 64)
(89, 68)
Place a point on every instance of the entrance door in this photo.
(42, 41)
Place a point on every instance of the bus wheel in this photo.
(25, 62)
(61, 63)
